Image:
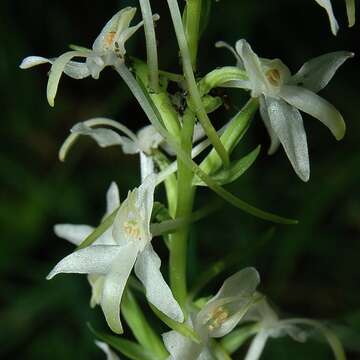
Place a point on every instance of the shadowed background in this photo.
(309, 270)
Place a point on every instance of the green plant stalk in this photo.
(141, 329)
(195, 97)
(185, 198)
(167, 112)
(192, 28)
(170, 182)
(151, 46)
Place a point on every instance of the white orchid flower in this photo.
(217, 318)
(110, 355)
(282, 95)
(108, 50)
(109, 261)
(270, 326)
(350, 8)
(143, 143)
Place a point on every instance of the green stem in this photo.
(151, 46)
(170, 181)
(192, 28)
(185, 197)
(191, 83)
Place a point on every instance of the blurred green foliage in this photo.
(309, 270)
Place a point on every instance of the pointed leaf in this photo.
(129, 348)
(236, 169)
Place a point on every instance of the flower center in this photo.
(217, 318)
(109, 37)
(131, 227)
(274, 77)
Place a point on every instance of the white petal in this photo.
(326, 4)
(149, 139)
(96, 259)
(114, 284)
(147, 166)
(199, 132)
(181, 347)
(234, 297)
(135, 211)
(97, 286)
(120, 21)
(314, 105)
(77, 70)
(73, 233)
(158, 293)
(110, 355)
(112, 198)
(350, 9)
(31, 61)
(288, 125)
(316, 73)
(253, 68)
(274, 140)
(56, 70)
(257, 346)
(239, 62)
(126, 35)
(206, 354)
(103, 136)
(145, 200)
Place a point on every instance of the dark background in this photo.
(309, 270)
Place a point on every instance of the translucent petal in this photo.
(129, 146)
(145, 200)
(288, 125)
(132, 222)
(96, 259)
(112, 198)
(149, 139)
(110, 355)
(181, 347)
(77, 70)
(231, 301)
(316, 73)
(73, 233)
(105, 137)
(56, 70)
(126, 35)
(257, 346)
(117, 23)
(206, 354)
(114, 284)
(31, 61)
(350, 9)
(147, 166)
(274, 140)
(199, 132)
(314, 105)
(239, 62)
(253, 68)
(158, 293)
(326, 4)
(97, 285)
